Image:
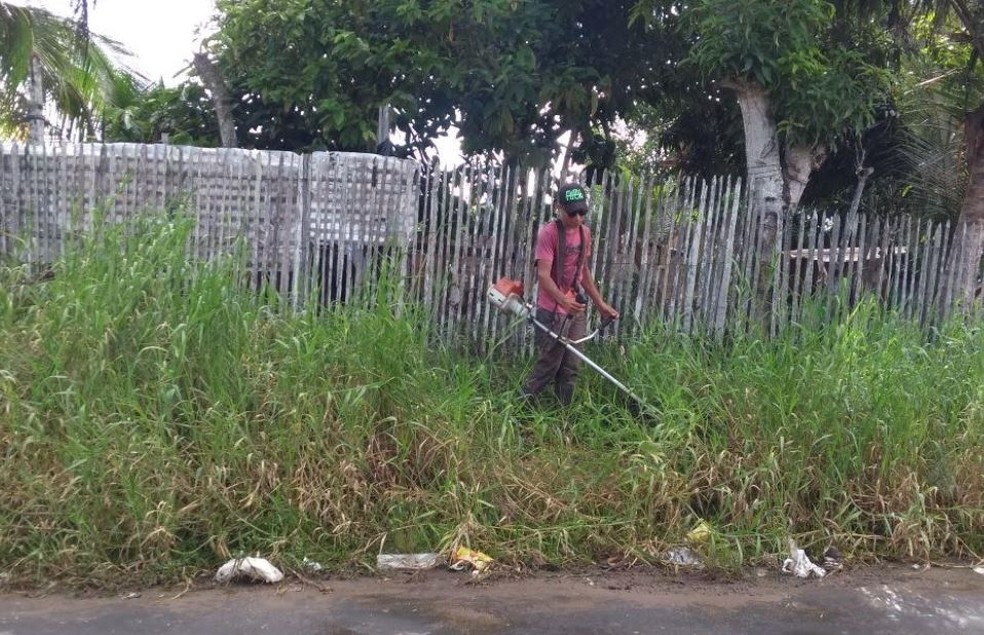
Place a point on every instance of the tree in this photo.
(512, 76)
(48, 59)
(806, 74)
(968, 17)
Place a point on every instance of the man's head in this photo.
(571, 200)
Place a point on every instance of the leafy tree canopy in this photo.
(512, 75)
(825, 67)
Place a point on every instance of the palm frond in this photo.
(77, 74)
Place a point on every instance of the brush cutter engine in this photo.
(507, 295)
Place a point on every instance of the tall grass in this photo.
(156, 418)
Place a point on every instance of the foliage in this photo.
(692, 132)
(823, 69)
(157, 419)
(916, 145)
(944, 82)
(512, 76)
(145, 114)
(76, 72)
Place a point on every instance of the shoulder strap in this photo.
(559, 258)
(558, 262)
(583, 253)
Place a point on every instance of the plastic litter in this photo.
(700, 533)
(257, 569)
(832, 559)
(464, 557)
(415, 561)
(683, 556)
(799, 564)
(311, 565)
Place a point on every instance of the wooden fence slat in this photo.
(722, 307)
(857, 276)
(784, 272)
(708, 260)
(922, 280)
(678, 272)
(946, 286)
(693, 259)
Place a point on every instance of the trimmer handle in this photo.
(605, 323)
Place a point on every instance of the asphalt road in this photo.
(895, 601)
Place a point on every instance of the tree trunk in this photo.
(214, 83)
(35, 103)
(777, 177)
(970, 228)
(799, 163)
(766, 184)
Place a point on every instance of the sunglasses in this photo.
(576, 212)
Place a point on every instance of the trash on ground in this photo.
(464, 557)
(311, 565)
(832, 560)
(133, 595)
(683, 556)
(979, 570)
(386, 561)
(257, 569)
(700, 533)
(799, 564)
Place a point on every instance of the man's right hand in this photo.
(571, 305)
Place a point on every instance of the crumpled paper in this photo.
(257, 569)
(799, 564)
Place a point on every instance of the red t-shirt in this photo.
(547, 245)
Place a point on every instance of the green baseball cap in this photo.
(572, 198)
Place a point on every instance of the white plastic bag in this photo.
(799, 564)
(257, 569)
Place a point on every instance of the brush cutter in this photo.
(507, 296)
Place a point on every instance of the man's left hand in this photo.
(607, 312)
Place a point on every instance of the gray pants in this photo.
(554, 362)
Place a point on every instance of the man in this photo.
(562, 253)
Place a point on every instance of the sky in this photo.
(162, 36)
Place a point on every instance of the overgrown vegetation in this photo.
(156, 419)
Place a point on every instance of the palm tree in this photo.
(46, 59)
(967, 17)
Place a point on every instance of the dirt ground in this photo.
(883, 599)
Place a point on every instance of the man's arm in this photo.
(588, 282)
(544, 269)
